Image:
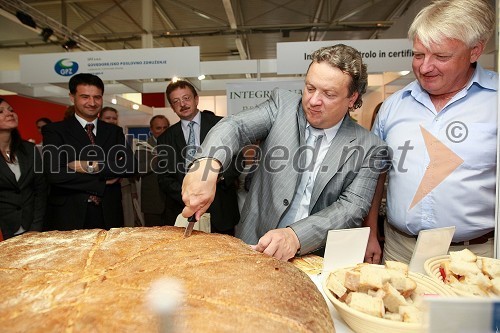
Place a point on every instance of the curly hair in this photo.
(349, 61)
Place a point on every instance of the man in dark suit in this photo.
(155, 206)
(175, 149)
(84, 158)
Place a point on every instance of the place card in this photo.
(430, 243)
(345, 247)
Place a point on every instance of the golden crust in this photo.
(310, 263)
(95, 280)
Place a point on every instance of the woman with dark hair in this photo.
(23, 189)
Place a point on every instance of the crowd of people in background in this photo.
(94, 178)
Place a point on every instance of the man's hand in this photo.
(112, 181)
(282, 244)
(198, 187)
(373, 254)
(82, 166)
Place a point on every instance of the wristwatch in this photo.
(90, 167)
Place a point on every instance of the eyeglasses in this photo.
(185, 98)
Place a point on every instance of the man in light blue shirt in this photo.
(442, 130)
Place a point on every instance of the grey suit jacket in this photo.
(343, 188)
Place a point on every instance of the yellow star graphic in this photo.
(443, 161)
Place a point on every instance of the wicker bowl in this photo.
(431, 267)
(361, 322)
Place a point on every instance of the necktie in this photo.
(90, 133)
(191, 144)
(305, 179)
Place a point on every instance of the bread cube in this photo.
(392, 299)
(352, 280)
(411, 314)
(463, 255)
(490, 267)
(463, 268)
(366, 304)
(335, 286)
(398, 266)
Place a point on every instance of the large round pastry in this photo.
(97, 281)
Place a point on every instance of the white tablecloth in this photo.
(340, 325)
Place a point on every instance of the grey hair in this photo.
(349, 61)
(469, 21)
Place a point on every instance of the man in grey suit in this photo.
(292, 202)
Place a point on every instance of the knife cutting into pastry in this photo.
(189, 228)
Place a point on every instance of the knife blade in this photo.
(190, 226)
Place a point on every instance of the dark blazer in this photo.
(22, 203)
(66, 141)
(224, 213)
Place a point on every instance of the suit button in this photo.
(285, 202)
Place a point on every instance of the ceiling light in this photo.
(175, 79)
(46, 34)
(114, 101)
(135, 106)
(70, 44)
(26, 19)
(403, 73)
(201, 77)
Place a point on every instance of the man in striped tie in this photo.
(176, 149)
(84, 158)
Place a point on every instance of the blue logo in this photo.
(66, 67)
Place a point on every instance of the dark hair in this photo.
(69, 112)
(158, 116)
(15, 141)
(179, 84)
(107, 108)
(85, 79)
(45, 120)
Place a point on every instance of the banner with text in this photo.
(134, 64)
(245, 95)
(380, 55)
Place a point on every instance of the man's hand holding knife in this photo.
(198, 187)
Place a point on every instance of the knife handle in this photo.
(192, 218)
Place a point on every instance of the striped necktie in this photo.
(191, 144)
(90, 133)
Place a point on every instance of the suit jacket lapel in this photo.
(103, 133)
(7, 173)
(179, 137)
(75, 130)
(24, 164)
(337, 155)
(205, 126)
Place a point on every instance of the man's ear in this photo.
(476, 52)
(353, 99)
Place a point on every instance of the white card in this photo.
(345, 247)
(430, 243)
(470, 315)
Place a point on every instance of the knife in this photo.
(190, 226)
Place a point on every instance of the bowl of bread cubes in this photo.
(375, 298)
(466, 273)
